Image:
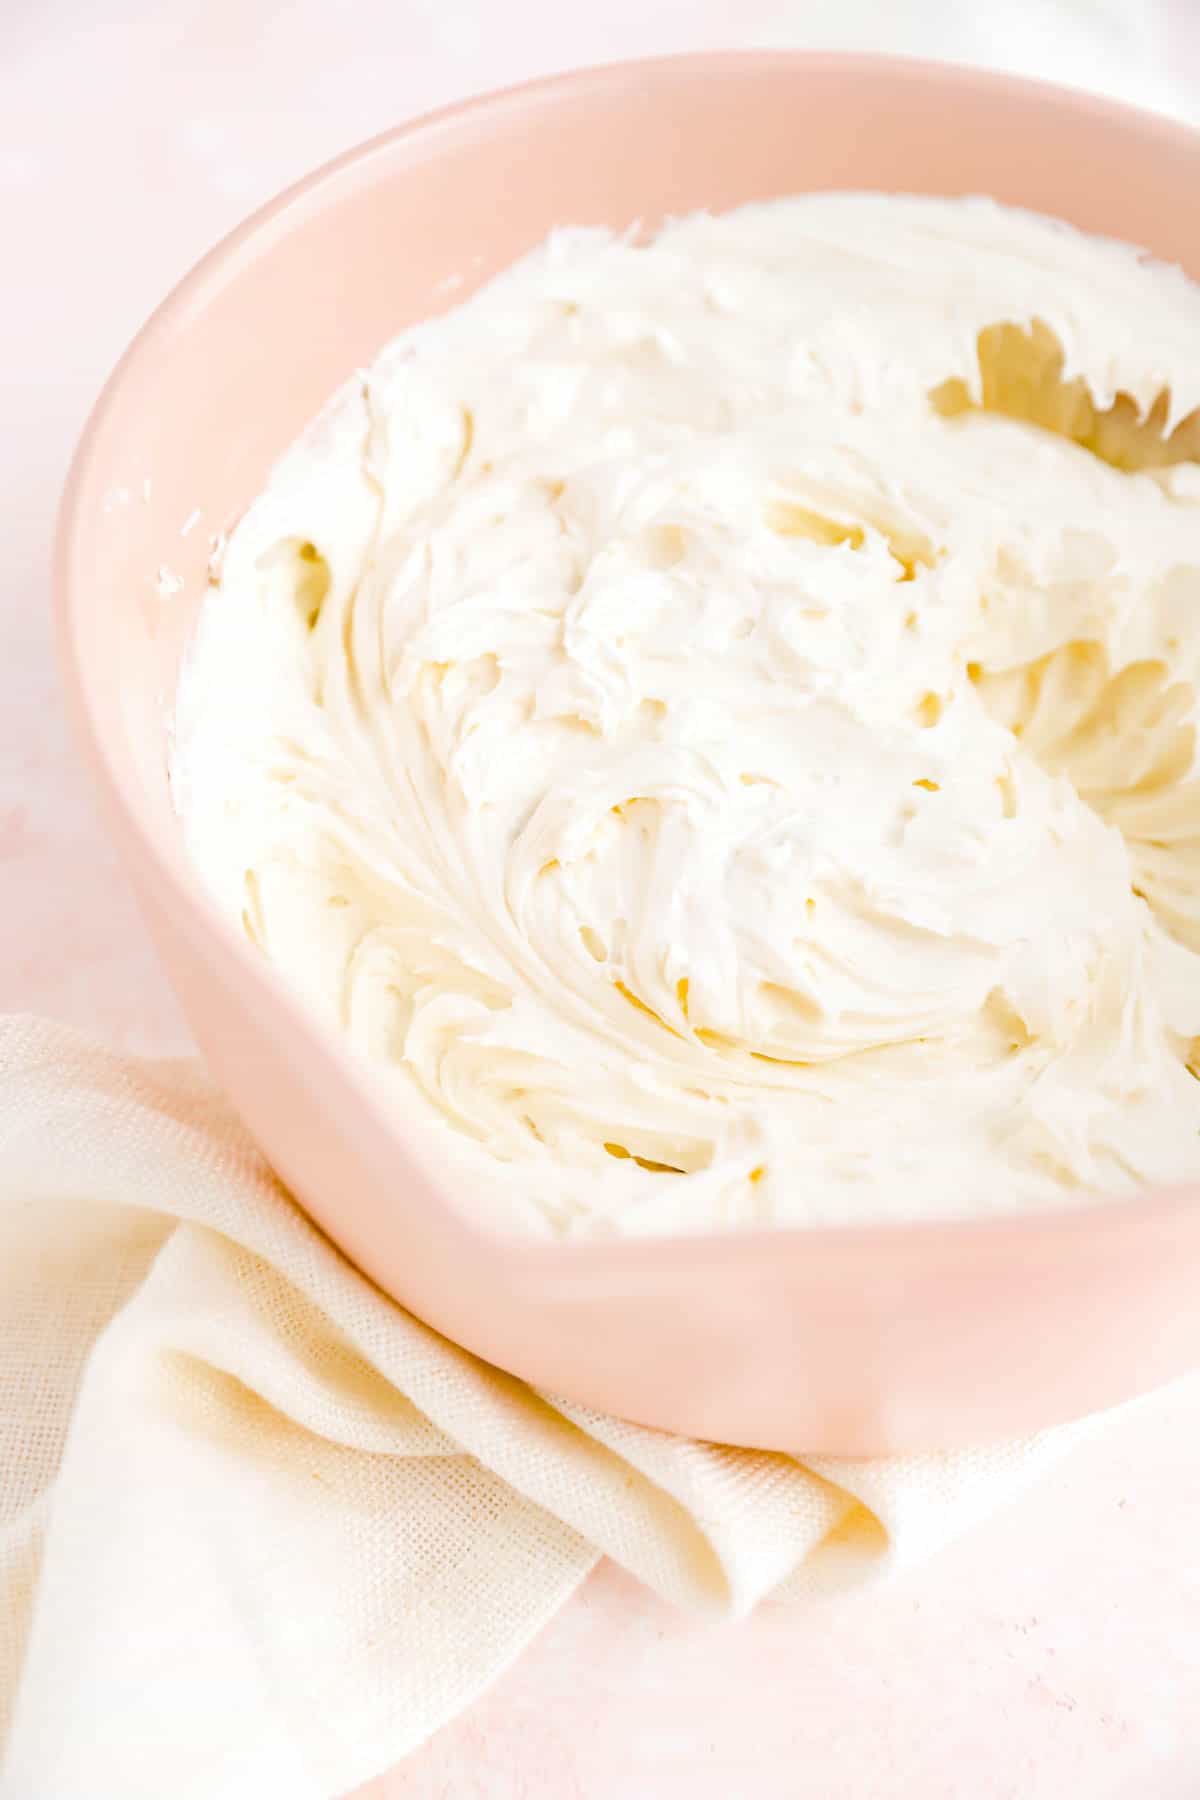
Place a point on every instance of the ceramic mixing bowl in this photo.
(855, 1340)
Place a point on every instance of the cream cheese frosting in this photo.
(714, 721)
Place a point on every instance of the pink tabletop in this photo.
(1053, 1653)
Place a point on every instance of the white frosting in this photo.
(643, 787)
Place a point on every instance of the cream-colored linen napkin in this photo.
(260, 1531)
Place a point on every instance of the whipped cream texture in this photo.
(714, 721)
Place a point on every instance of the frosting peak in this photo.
(714, 720)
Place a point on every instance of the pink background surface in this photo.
(1053, 1653)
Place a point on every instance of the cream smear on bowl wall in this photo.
(715, 720)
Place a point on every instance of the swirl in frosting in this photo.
(714, 720)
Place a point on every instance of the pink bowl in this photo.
(851, 1341)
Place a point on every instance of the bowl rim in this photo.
(880, 1250)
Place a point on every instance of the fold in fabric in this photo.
(260, 1530)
